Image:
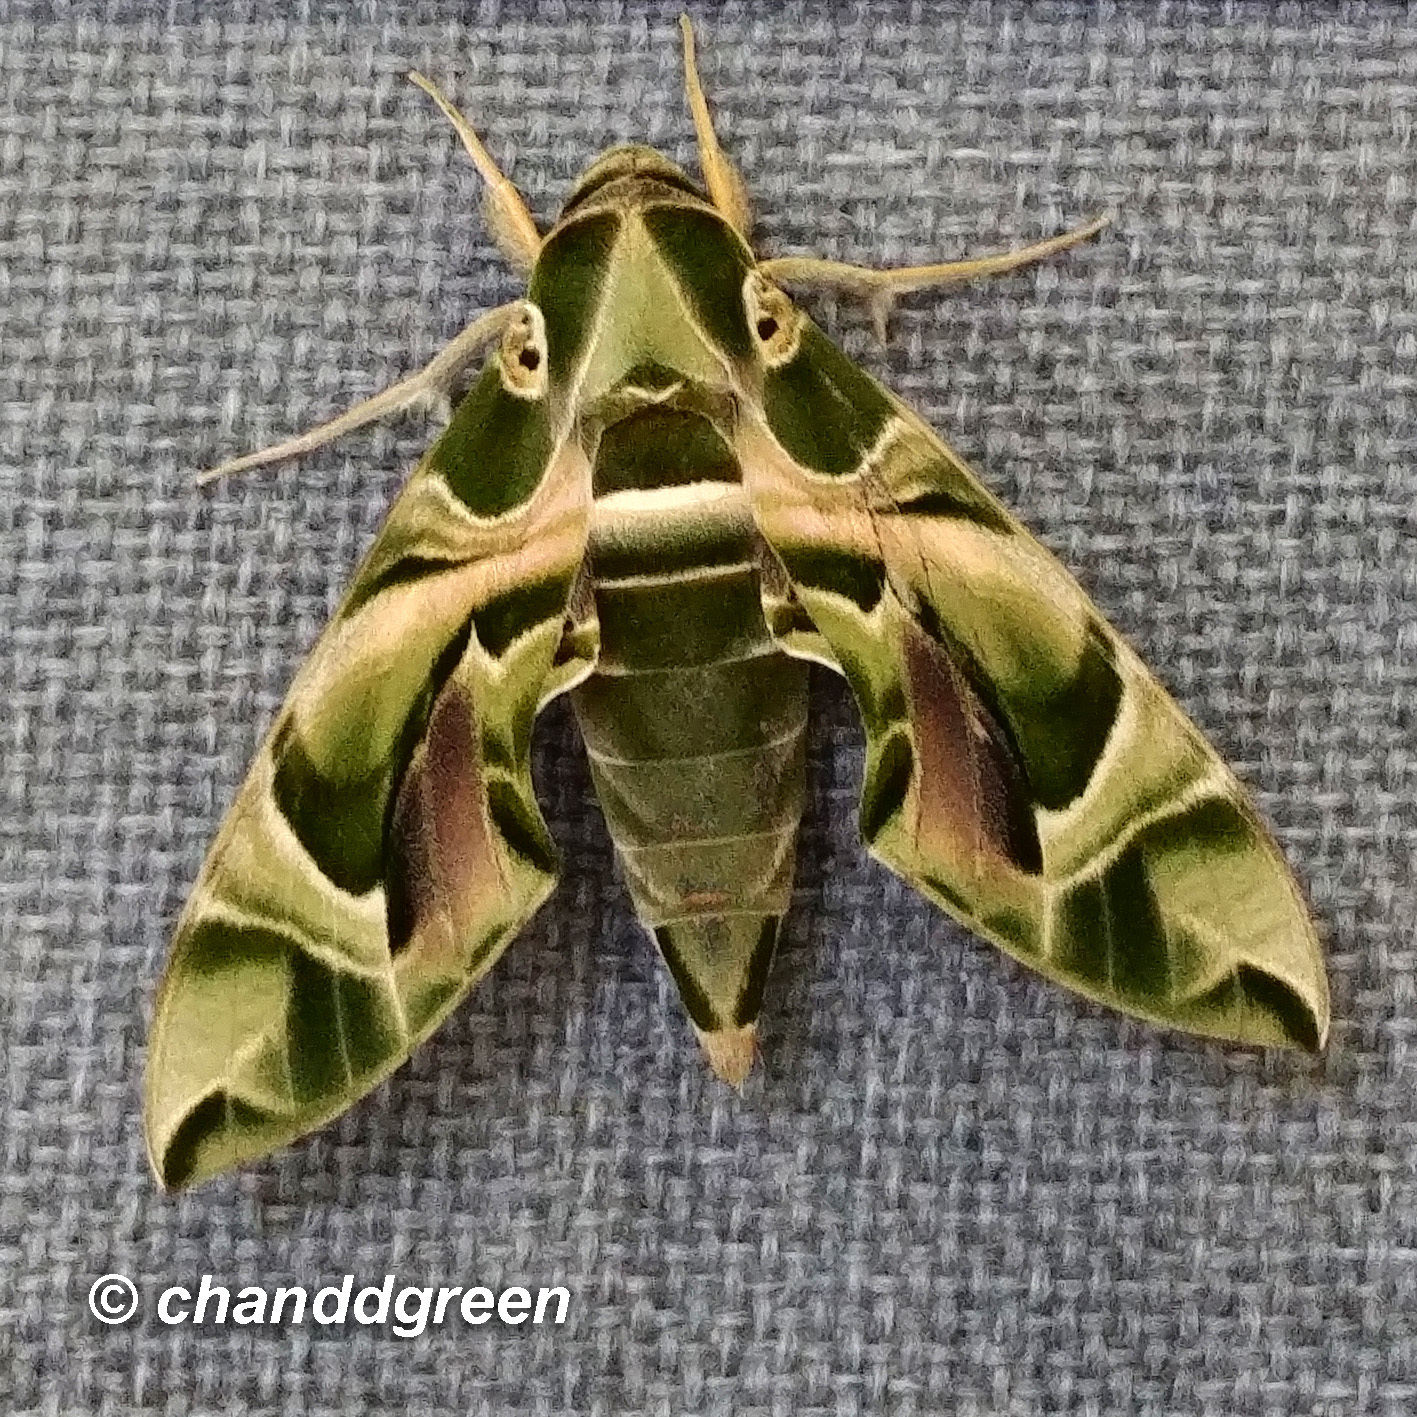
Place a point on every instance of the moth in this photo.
(664, 494)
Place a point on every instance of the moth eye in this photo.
(775, 320)
(523, 354)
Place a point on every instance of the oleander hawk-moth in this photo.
(665, 493)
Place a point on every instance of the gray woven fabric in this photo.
(949, 1188)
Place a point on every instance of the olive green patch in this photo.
(1211, 824)
(405, 571)
(339, 1028)
(519, 827)
(494, 454)
(695, 1001)
(517, 611)
(668, 546)
(750, 1003)
(710, 263)
(566, 284)
(208, 1128)
(1111, 932)
(339, 821)
(1253, 989)
(718, 937)
(886, 784)
(342, 822)
(430, 997)
(880, 696)
(216, 947)
(1063, 741)
(956, 499)
(1082, 934)
(662, 447)
(859, 579)
(826, 413)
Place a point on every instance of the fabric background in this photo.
(949, 1188)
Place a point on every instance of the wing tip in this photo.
(216, 1133)
(1277, 1012)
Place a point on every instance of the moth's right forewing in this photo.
(1024, 769)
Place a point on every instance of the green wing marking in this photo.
(386, 845)
(1024, 769)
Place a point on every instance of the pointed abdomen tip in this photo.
(731, 1052)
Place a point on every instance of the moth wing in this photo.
(1024, 769)
(386, 845)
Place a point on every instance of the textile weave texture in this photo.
(949, 1187)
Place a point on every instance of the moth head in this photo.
(521, 356)
(641, 168)
(775, 322)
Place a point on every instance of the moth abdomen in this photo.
(694, 721)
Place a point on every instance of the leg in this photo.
(429, 388)
(881, 289)
(725, 186)
(512, 227)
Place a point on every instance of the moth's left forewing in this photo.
(386, 844)
(1024, 769)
